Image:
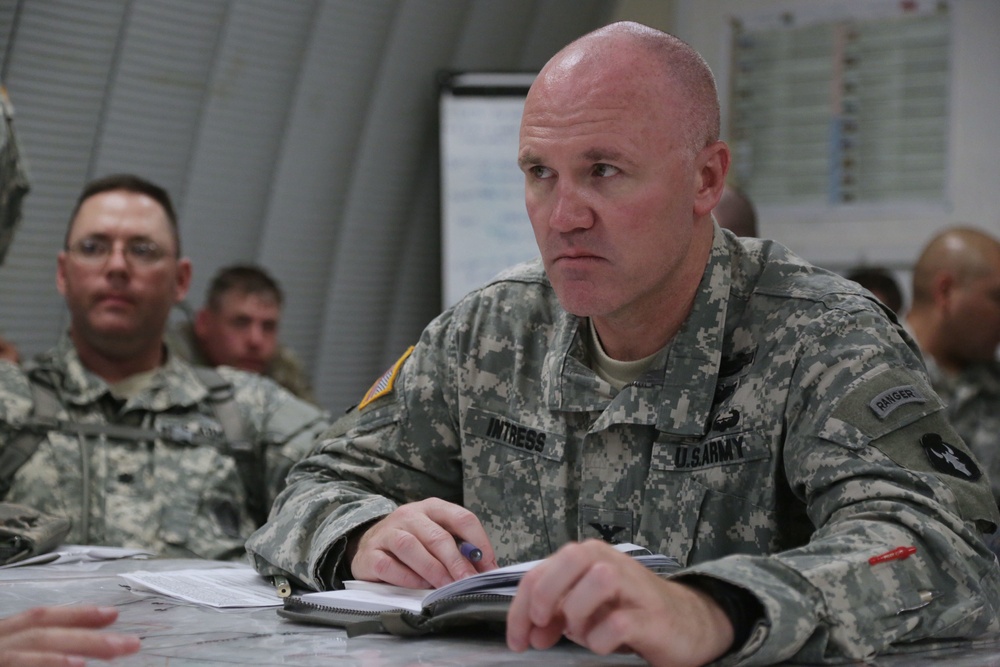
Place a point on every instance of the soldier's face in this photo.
(974, 322)
(120, 273)
(242, 332)
(610, 183)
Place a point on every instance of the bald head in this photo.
(644, 62)
(965, 253)
(955, 314)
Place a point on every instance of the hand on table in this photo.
(604, 600)
(61, 636)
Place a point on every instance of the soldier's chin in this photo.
(114, 329)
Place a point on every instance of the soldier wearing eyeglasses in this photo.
(137, 447)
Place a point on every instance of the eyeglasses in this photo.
(96, 250)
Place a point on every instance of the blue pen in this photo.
(469, 550)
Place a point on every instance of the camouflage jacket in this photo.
(787, 434)
(179, 498)
(285, 368)
(973, 400)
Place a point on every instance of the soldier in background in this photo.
(955, 319)
(655, 380)
(55, 634)
(238, 327)
(179, 460)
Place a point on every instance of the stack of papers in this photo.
(224, 587)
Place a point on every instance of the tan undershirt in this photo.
(617, 373)
(132, 385)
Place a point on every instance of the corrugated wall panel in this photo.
(250, 96)
(302, 135)
(57, 77)
(158, 89)
(316, 165)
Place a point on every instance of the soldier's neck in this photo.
(113, 364)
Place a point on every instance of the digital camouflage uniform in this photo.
(973, 400)
(179, 499)
(786, 435)
(285, 368)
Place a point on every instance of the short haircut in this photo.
(128, 183)
(682, 66)
(243, 278)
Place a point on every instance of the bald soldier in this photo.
(655, 379)
(955, 318)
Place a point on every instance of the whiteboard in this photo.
(484, 224)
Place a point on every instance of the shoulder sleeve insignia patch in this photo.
(385, 383)
(949, 460)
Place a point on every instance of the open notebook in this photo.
(372, 607)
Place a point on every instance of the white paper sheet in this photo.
(220, 587)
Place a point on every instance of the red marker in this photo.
(899, 553)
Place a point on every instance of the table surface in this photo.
(177, 633)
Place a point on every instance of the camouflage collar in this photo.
(683, 379)
(175, 384)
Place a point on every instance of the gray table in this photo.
(174, 633)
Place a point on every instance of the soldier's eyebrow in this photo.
(603, 155)
(528, 159)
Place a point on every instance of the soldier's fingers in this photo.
(378, 565)
(79, 616)
(463, 525)
(377, 557)
(551, 581)
(430, 550)
(44, 644)
(522, 632)
(534, 619)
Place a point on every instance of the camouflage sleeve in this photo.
(287, 426)
(291, 432)
(286, 370)
(870, 452)
(401, 440)
(15, 406)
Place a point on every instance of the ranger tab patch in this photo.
(883, 404)
(384, 384)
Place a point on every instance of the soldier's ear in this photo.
(182, 279)
(943, 288)
(711, 166)
(61, 260)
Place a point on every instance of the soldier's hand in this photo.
(61, 636)
(415, 546)
(605, 600)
